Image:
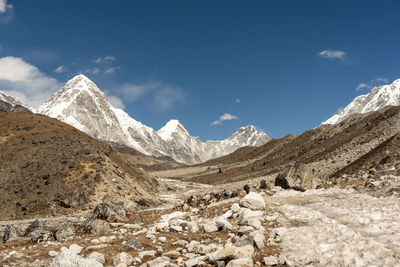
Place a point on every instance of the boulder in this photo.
(253, 201)
(66, 257)
(232, 253)
(298, 177)
(172, 254)
(97, 257)
(12, 233)
(147, 253)
(271, 260)
(159, 262)
(245, 214)
(243, 262)
(64, 232)
(210, 227)
(109, 212)
(122, 258)
(97, 226)
(132, 245)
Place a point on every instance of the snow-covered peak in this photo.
(249, 136)
(379, 97)
(171, 127)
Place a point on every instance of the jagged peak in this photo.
(172, 126)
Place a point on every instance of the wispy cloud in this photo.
(224, 117)
(116, 101)
(332, 54)
(4, 6)
(60, 69)
(162, 95)
(105, 59)
(237, 100)
(111, 70)
(374, 82)
(23, 80)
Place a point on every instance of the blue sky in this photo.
(283, 66)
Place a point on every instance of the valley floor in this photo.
(208, 225)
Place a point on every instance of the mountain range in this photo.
(378, 98)
(83, 105)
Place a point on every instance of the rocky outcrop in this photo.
(299, 177)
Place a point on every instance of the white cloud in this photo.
(116, 101)
(374, 82)
(25, 81)
(132, 92)
(362, 86)
(169, 96)
(106, 59)
(237, 100)
(91, 71)
(4, 6)
(224, 117)
(60, 69)
(332, 54)
(111, 70)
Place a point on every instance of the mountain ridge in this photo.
(83, 105)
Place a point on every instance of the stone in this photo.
(122, 258)
(109, 212)
(147, 253)
(181, 243)
(253, 201)
(232, 253)
(259, 240)
(175, 228)
(243, 262)
(193, 227)
(235, 208)
(172, 254)
(210, 227)
(298, 177)
(223, 224)
(132, 245)
(246, 188)
(76, 249)
(244, 240)
(97, 226)
(38, 232)
(263, 184)
(271, 260)
(203, 249)
(194, 262)
(254, 222)
(159, 262)
(245, 214)
(162, 239)
(137, 219)
(53, 253)
(64, 232)
(67, 257)
(97, 257)
(192, 245)
(12, 233)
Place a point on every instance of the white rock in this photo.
(210, 227)
(162, 239)
(175, 228)
(240, 263)
(123, 258)
(271, 260)
(235, 207)
(254, 222)
(159, 262)
(147, 253)
(192, 245)
(53, 253)
(231, 253)
(253, 201)
(97, 257)
(193, 227)
(74, 248)
(220, 222)
(68, 258)
(194, 261)
(245, 214)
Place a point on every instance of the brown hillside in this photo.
(49, 168)
(327, 149)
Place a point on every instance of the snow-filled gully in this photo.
(336, 228)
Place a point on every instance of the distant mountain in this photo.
(9, 103)
(83, 105)
(379, 97)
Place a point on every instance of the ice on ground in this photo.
(337, 228)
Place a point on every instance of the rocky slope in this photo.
(83, 105)
(49, 168)
(9, 103)
(323, 151)
(378, 98)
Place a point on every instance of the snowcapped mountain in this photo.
(83, 105)
(9, 103)
(379, 97)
